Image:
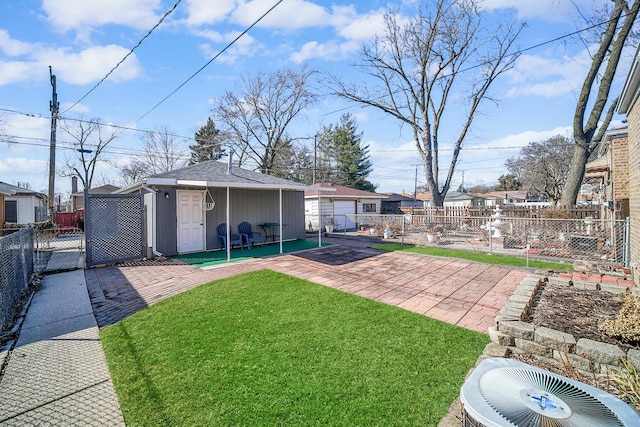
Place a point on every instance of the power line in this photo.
(126, 56)
(210, 61)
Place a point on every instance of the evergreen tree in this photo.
(208, 144)
(353, 164)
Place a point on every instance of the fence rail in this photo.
(598, 240)
(16, 267)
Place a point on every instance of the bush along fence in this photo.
(605, 241)
(16, 268)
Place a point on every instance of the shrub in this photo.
(626, 326)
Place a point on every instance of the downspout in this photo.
(153, 220)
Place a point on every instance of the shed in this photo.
(185, 206)
(337, 204)
(23, 206)
(394, 203)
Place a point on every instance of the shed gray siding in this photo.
(166, 222)
(256, 207)
(253, 206)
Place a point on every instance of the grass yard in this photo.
(267, 349)
(507, 260)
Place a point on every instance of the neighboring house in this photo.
(22, 206)
(394, 203)
(607, 177)
(2, 196)
(505, 198)
(339, 205)
(77, 197)
(461, 199)
(453, 199)
(629, 104)
(184, 207)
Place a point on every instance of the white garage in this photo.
(344, 214)
(339, 206)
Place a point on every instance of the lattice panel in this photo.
(114, 225)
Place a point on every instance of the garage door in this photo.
(344, 212)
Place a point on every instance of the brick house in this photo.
(629, 105)
(610, 174)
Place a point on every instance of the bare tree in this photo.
(542, 167)
(258, 115)
(589, 127)
(435, 68)
(90, 141)
(161, 152)
(131, 172)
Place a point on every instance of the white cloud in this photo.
(85, 66)
(289, 15)
(79, 14)
(364, 27)
(31, 130)
(16, 71)
(13, 47)
(91, 64)
(548, 77)
(207, 12)
(549, 10)
(244, 46)
(331, 50)
(21, 166)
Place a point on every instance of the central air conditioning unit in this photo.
(506, 392)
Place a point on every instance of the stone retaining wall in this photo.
(513, 335)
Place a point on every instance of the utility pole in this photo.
(54, 107)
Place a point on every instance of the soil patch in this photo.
(577, 312)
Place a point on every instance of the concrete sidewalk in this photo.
(57, 374)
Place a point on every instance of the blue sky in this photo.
(83, 40)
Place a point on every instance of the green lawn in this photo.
(267, 349)
(507, 260)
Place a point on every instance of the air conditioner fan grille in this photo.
(528, 397)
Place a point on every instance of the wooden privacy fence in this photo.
(572, 212)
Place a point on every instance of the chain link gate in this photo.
(114, 228)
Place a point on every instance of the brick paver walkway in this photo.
(459, 292)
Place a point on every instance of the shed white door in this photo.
(344, 214)
(190, 221)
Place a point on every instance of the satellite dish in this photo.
(506, 392)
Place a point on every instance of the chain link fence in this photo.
(55, 239)
(16, 267)
(565, 240)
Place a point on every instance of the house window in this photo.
(11, 210)
(368, 207)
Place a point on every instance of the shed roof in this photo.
(103, 189)
(339, 191)
(14, 190)
(216, 174)
(395, 197)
